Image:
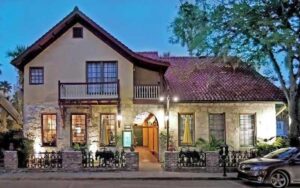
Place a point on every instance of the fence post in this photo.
(132, 161)
(171, 159)
(10, 160)
(72, 160)
(212, 162)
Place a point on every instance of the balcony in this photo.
(146, 92)
(98, 91)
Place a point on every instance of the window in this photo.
(78, 130)
(49, 129)
(217, 126)
(102, 72)
(247, 125)
(186, 126)
(36, 75)
(77, 32)
(108, 129)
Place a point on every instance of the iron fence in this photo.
(45, 160)
(188, 158)
(235, 157)
(103, 159)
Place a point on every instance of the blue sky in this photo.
(140, 24)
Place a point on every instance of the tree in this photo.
(12, 54)
(259, 32)
(5, 86)
(17, 97)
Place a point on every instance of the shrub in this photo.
(212, 145)
(264, 148)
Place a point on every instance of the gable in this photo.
(69, 21)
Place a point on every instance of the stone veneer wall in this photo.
(265, 120)
(10, 160)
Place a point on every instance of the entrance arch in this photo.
(146, 137)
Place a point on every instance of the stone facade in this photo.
(265, 121)
(10, 160)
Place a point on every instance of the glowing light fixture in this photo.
(175, 99)
(161, 98)
(119, 117)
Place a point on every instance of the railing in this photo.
(190, 158)
(103, 159)
(235, 157)
(45, 160)
(146, 92)
(81, 91)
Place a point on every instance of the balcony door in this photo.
(102, 77)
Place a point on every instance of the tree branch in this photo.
(280, 76)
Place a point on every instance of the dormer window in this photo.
(77, 32)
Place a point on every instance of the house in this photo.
(83, 86)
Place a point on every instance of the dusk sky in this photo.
(142, 25)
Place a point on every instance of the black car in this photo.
(279, 168)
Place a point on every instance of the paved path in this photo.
(126, 184)
(147, 161)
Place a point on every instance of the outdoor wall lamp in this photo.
(119, 119)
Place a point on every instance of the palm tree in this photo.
(16, 52)
(12, 54)
(17, 97)
(5, 86)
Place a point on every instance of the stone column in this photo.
(132, 161)
(212, 162)
(10, 160)
(171, 159)
(72, 160)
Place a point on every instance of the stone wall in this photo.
(265, 121)
(212, 163)
(10, 160)
(132, 161)
(71, 160)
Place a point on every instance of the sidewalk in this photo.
(162, 175)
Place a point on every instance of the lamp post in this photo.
(175, 99)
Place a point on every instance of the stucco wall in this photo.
(65, 60)
(145, 76)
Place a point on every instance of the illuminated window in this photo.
(36, 75)
(247, 126)
(186, 128)
(49, 129)
(217, 126)
(78, 122)
(108, 129)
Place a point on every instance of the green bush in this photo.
(264, 148)
(212, 145)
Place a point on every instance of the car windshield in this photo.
(283, 154)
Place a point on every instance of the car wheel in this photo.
(279, 180)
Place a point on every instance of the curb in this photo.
(121, 178)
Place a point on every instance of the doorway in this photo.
(145, 134)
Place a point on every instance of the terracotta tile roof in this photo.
(207, 79)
